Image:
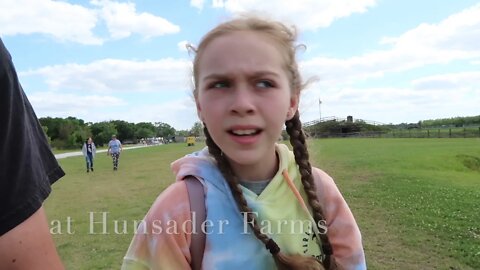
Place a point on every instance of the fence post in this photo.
(438, 133)
(450, 133)
(464, 132)
(428, 133)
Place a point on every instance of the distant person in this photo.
(27, 170)
(114, 149)
(266, 206)
(89, 151)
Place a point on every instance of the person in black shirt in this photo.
(27, 170)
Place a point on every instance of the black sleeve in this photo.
(27, 165)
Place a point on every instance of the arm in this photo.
(84, 150)
(94, 149)
(343, 231)
(28, 169)
(29, 245)
(154, 246)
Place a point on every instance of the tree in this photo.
(102, 132)
(182, 133)
(197, 129)
(65, 133)
(45, 130)
(126, 130)
(52, 125)
(164, 130)
(144, 133)
(144, 130)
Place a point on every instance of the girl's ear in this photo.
(292, 109)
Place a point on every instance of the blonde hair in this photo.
(285, 39)
(284, 36)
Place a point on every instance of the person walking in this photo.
(114, 149)
(89, 150)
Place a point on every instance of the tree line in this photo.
(452, 122)
(71, 132)
(334, 128)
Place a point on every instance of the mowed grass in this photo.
(122, 197)
(416, 201)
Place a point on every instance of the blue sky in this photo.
(381, 60)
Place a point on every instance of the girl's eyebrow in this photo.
(254, 74)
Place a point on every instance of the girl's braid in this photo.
(297, 140)
(283, 261)
(237, 193)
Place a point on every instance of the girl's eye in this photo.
(264, 84)
(220, 84)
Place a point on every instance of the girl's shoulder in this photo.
(326, 188)
(172, 202)
(321, 178)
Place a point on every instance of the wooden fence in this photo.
(408, 133)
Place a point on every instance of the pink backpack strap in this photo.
(196, 195)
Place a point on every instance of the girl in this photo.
(89, 150)
(266, 207)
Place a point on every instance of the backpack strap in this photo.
(196, 196)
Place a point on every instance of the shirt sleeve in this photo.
(27, 165)
(161, 241)
(343, 231)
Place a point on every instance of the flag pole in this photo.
(319, 110)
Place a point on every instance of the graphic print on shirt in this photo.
(310, 242)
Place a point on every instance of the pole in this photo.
(319, 110)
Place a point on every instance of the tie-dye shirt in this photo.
(163, 238)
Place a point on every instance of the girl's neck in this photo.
(256, 172)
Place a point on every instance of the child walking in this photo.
(114, 149)
(266, 207)
(89, 151)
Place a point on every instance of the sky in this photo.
(386, 61)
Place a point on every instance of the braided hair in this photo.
(286, 38)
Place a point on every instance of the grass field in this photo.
(416, 201)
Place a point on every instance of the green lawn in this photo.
(416, 201)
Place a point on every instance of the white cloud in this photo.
(180, 113)
(217, 4)
(306, 14)
(461, 80)
(197, 4)
(112, 75)
(64, 105)
(24, 17)
(459, 32)
(123, 20)
(390, 104)
(455, 38)
(76, 23)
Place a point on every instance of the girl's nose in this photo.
(243, 102)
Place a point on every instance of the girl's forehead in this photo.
(241, 48)
(243, 36)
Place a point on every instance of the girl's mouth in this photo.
(244, 132)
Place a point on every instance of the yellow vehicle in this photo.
(190, 141)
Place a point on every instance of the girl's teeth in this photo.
(244, 132)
